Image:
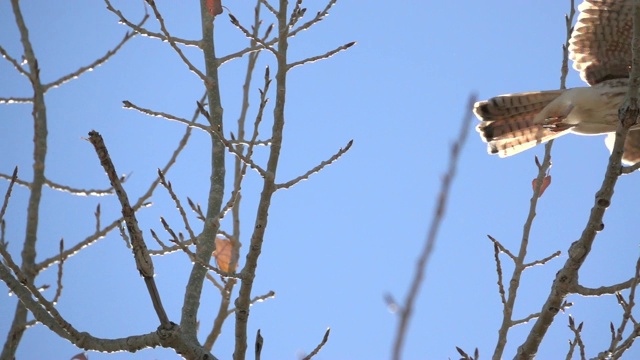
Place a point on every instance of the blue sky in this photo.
(341, 240)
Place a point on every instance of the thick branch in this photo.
(206, 244)
(140, 251)
(579, 250)
(39, 155)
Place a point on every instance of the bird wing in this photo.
(600, 45)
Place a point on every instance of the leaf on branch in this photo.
(81, 356)
(223, 253)
(214, 7)
(546, 181)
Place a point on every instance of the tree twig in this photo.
(406, 309)
(316, 168)
(140, 251)
(317, 349)
(581, 248)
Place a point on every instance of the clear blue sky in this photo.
(338, 242)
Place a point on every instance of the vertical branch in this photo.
(514, 284)
(243, 301)
(406, 309)
(567, 277)
(39, 154)
(206, 243)
(238, 175)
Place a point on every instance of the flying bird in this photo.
(600, 47)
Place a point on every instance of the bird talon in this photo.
(555, 124)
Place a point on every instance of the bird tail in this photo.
(507, 121)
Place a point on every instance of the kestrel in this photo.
(600, 47)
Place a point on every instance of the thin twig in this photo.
(542, 261)
(626, 316)
(524, 320)
(603, 290)
(16, 100)
(174, 197)
(258, 346)
(577, 338)
(320, 15)
(326, 55)
(7, 195)
(543, 169)
(256, 299)
(59, 277)
(244, 158)
(623, 347)
(70, 332)
(14, 62)
(496, 257)
(269, 7)
(74, 75)
(502, 248)
(629, 169)
(317, 168)
(123, 234)
(173, 43)
(144, 32)
(296, 14)
(190, 123)
(251, 36)
(182, 245)
(97, 215)
(73, 191)
(315, 351)
(406, 309)
(160, 242)
(140, 203)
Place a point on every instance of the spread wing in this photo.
(600, 44)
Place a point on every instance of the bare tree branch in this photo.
(577, 340)
(317, 168)
(39, 113)
(190, 123)
(67, 189)
(406, 309)
(602, 290)
(7, 195)
(16, 100)
(74, 75)
(206, 240)
(581, 248)
(543, 169)
(173, 43)
(542, 261)
(326, 55)
(315, 351)
(140, 251)
(14, 62)
(144, 32)
(175, 199)
(56, 297)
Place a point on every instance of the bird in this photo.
(600, 48)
